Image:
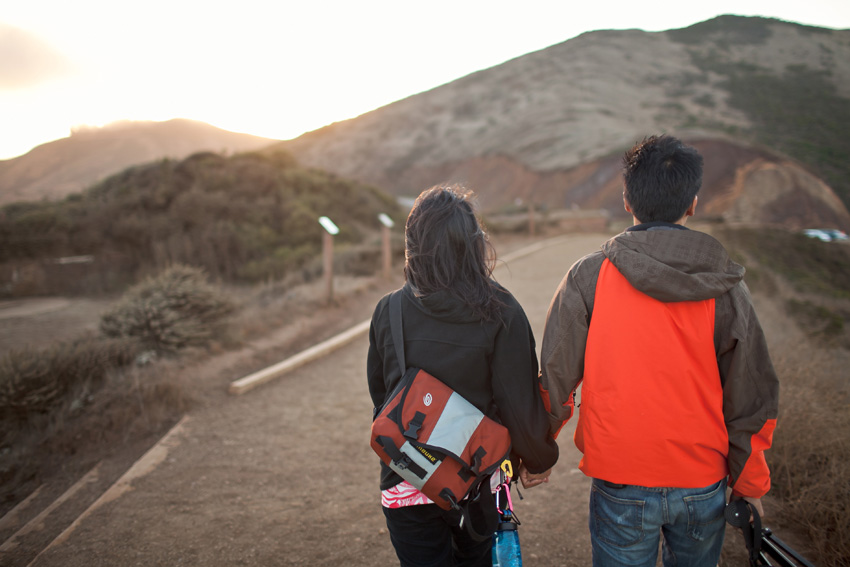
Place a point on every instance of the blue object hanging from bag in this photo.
(506, 551)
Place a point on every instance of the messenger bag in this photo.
(432, 436)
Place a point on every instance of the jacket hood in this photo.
(442, 305)
(673, 263)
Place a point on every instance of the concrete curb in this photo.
(37, 523)
(147, 463)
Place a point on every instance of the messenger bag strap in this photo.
(396, 328)
(479, 515)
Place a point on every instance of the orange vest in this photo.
(651, 409)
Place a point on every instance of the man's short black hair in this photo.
(662, 176)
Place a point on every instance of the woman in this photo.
(464, 328)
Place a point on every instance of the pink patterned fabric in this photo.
(403, 494)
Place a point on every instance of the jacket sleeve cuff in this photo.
(754, 480)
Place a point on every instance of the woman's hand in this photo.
(530, 480)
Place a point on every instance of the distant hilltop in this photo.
(69, 165)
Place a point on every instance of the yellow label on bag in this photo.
(426, 454)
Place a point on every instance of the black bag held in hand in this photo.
(764, 547)
(435, 439)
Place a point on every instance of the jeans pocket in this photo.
(705, 511)
(616, 521)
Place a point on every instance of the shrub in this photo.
(176, 309)
(35, 381)
(227, 215)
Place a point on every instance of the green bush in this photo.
(35, 381)
(176, 309)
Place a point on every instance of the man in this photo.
(679, 396)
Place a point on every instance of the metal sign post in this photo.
(328, 255)
(387, 223)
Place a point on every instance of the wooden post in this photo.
(531, 218)
(387, 251)
(387, 223)
(328, 256)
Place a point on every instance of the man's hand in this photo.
(756, 502)
(530, 480)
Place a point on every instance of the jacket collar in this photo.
(657, 225)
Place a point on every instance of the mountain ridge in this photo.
(69, 165)
(548, 126)
(593, 96)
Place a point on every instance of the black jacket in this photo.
(490, 363)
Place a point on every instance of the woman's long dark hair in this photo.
(446, 249)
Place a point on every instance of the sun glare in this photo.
(280, 69)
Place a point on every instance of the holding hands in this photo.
(529, 479)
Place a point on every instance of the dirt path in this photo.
(283, 474)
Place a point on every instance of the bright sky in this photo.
(278, 68)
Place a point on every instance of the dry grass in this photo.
(130, 403)
(808, 339)
(89, 394)
(810, 459)
(36, 382)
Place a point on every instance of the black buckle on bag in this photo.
(473, 470)
(403, 463)
(414, 426)
(406, 463)
(399, 459)
(477, 459)
(449, 496)
(464, 473)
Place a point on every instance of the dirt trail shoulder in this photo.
(283, 475)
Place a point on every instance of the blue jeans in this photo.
(626, 523)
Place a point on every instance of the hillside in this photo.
(550, 125)
(759, 95)
(243, 218)
(69, 165)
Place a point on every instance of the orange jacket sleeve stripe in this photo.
(754, 480)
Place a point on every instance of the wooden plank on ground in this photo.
(275, 371)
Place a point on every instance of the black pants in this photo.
(428, 536)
